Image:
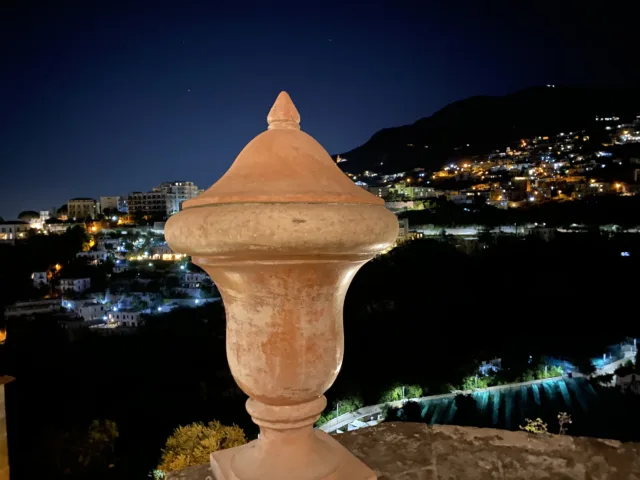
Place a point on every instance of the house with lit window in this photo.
(93, 257)
(74, 285)
(40, 279)
(87, 309)
(13, 230)
(125, 318)
(82, 208)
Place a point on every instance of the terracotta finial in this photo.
(283, 114)
(282, 234)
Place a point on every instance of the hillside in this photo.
(488, 123)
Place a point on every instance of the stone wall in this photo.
(413, 451)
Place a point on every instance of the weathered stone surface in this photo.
(412, 451)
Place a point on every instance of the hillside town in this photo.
(124, 270)
(561, 166)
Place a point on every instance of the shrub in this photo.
(535, 426)
(472, 382)
(395, 393)
(192, 444)
(340, 407)
(563, 419)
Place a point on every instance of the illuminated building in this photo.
(160, 203)
(77, 285)
(113, 204)
(181, 189)
(40, 279)
(82, 208)
(125, 318)
(11, 231)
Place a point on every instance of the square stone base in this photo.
(351, 468)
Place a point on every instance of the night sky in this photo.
(113, 98)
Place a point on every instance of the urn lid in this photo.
(283, 165)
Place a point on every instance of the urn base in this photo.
(347, 466)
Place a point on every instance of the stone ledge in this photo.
(414, 451)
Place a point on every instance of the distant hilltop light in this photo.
(551, 86)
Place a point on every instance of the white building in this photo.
(40, 279)
(82, 208)
(13, 230)
(87, 309)
(92, 311)
(125, 318)
(77, 285)
(93, 257)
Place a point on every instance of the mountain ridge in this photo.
(482, 123)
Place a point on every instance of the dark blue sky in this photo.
(120, 96)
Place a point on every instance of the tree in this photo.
(63, 210)
(192, 444)
(28, 215)
(401, 392)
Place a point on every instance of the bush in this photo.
(192, 444)
(472, 382)
(414, 391)
(395, 393)
(340, 407)
(535, 426)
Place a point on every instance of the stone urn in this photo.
(282, 235)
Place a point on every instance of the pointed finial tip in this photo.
(283, 114)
